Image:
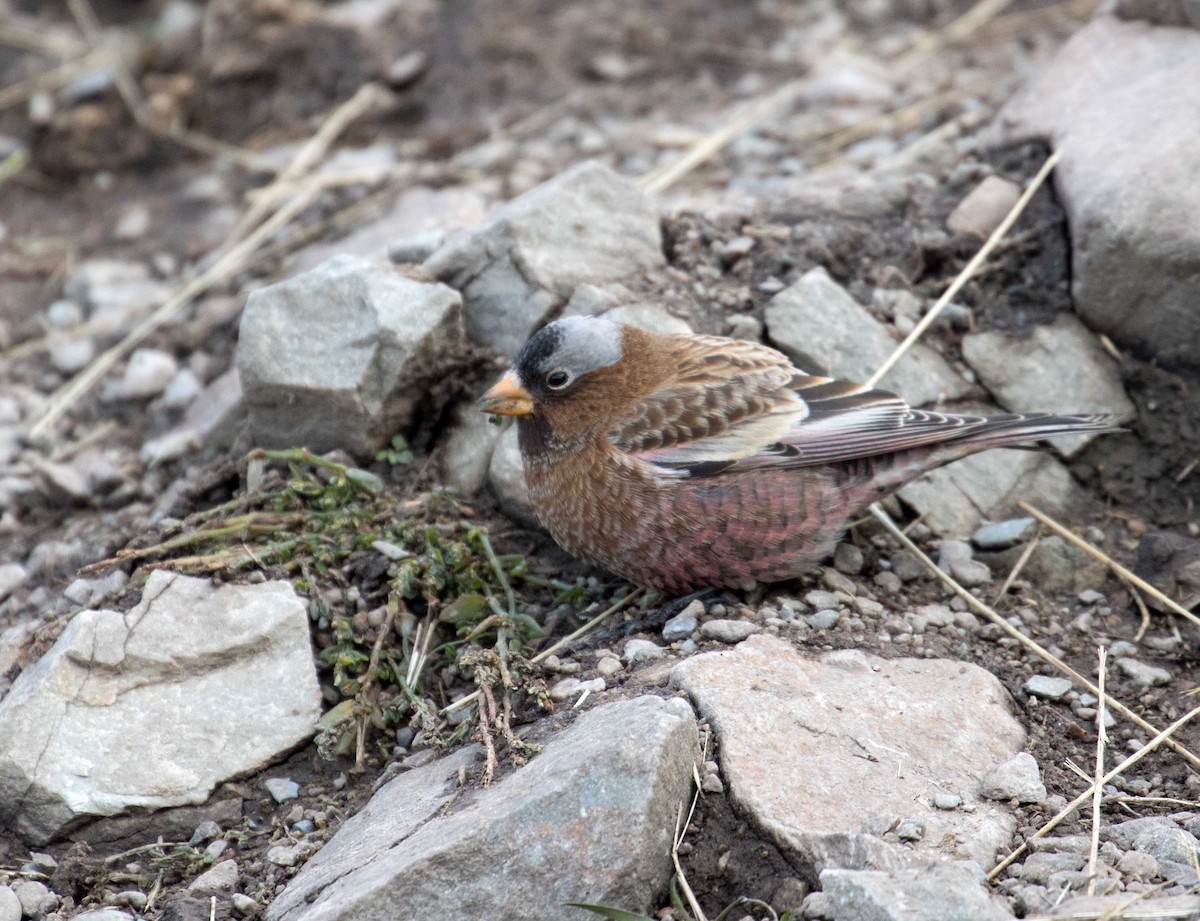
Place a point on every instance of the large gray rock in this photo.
(586, 225)
(506, 479)
(1121, 103)
(155, 707)
(949, 892)
(590, 819)
(1059, 367)
(816, 750)
(818, 325)
(955, 500)
(343, 356)
(466, 451)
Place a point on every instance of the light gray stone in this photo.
(208, 683)
(1047, 687)
(35, 898)
(586, 225)
(947, 892)
(651, 317)
(681, 626)
(727, 630)
(343, 356)
(1059, 367)
(69, 354)
(1039, 867)
(218, 879)
(1016, 778)
(12, 577)
(984, 207)
(147, 374)
(954, 500)
(1121, 104)
(466, 450)
(281, 789)
(104, 914)
(818, 325)
(859, 737)
(10, 905)
(589, 819)
(1000, 535)
(639, 650)
(1142, 675)
(506, 479)
(115, 292)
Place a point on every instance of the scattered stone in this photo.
(506, 479)
(587, 224)
(946, 801)
(1090, 596)
(1138, 864)
(1142, 675)
(12, 577)
(824, 330)
(653, 318)
(910, 830)
(907, 566)
(984, 207)
(467, 450)
(1040, 866)
(182, 390)
(564, 689)
(205, 831)
(285, 855)
(133, 224)
(190, 663)
(1046, 687)
(1157, 836)
(69, 354)
(1136, 268)
(727, 631)
(1017, 778)
(848, 559)
(955, 558)
(1062, 361)
(1054, 566)
(818, 598)
(1171, 563)
(342, 356)
(243, 905)
(637, 650)
(609, 666)
(941, 892)
(588, 820)
(116, 292)
(806, 723)
(681, 626)
(823, 620)
(35, 898)
(219, 879)
(281, 789)
(10, 905)
(103, 914)
(147, 374)
(1000, 535)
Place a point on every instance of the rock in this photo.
(650, 317)
(36, 900)
(984, 208)
(1046, 687)
(506, 479)
(638, 650)
(1000, 535)
(1157, 836)
(941, 893)
(1054, 565)
(10, 905)
(585, 225)
(825, 619)
(1171, 563)
(104, 914)
(825, 331)
(1121, 104)
(681, 626)
(946, 801)
(69, 354)
(1017, 778)
(848, 559)
(220, 878)
(589, 819)
(955, 558)
(907, 566)
(183, 388)
(189, 665)
(954, 500)
(1161, 12)
(12, 577)
(115, 292)
(1059, 367)
(133, 223)
(838, 727)
(344, 355)
(281, 789)
(1142, 675)
(467, 450)
(243, 904)
(1138, 864)
(727, 631)
(147, 374)
(1039, 867)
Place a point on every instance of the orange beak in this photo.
(507, 398)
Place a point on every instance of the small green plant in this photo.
(398, 454)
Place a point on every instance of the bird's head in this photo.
(569, 373)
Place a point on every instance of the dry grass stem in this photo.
(1020, 637)
(1112, 564)
(40, 39)
(968, 270)
(1097, 786)
(932, 42)
(1018, 565)
(1159, 739)
(681, 828)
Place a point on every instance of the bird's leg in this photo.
(656, 617)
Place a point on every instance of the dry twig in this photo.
(1097, 786)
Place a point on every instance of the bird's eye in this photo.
(558, 378)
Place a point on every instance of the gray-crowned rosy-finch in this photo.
(680, 462)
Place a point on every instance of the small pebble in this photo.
(910, 830)
(1142, 675)
(284, 855)
(906, 566)
(243, 905)
(712, 784)
(281, 788)
(823, 620)
(638, 650)
(1047, 687)
(1090, 596)
(220, 878)
(946, 801)
(609, 666)
(727, 631)
(1000, 535)
(818, 599)
(848, 559)
(680, 626)
(205, 831)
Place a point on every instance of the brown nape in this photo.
(598, 399)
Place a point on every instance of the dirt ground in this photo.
(484, 67)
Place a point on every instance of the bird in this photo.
(684, 462)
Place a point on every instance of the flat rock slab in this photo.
(818, 325)
(948, 892)
(1059, 367)
(588, 225)
(344, 355)
(155, 707)
(588, 820)
(815, 749)
(1121, 103)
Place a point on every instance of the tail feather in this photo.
(1023, 428)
